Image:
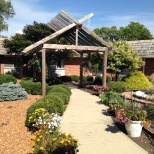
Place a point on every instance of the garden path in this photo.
(89, 121)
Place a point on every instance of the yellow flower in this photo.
(62, 141)
(33, 143)
(33, 149)
(38, 140)
(54, 139)
(46, 132)
(41, 148)
(40, 136)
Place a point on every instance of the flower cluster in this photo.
(55, 143)
(96, 87)
(100, 88)
(105, 88)
(125, 115)
(42, 119)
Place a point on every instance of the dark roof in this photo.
(144, 48)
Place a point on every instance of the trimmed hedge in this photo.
(98, 80)
(89, 78)
(34, 88)
(75, 78)
(6, 78)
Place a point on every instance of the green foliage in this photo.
(75, 78)
(65, 79)
(137, 81)
(109, 96)
(108, 79)
(34, 88)
(116, 86)
(98, 80)
(6, 11)
(150, 110)
(6, 78)
(108, 34)
(126, 57)
(11, 91)
(60, 89)
(151, 78)
(133, 31)
(62, 96)
(89, 78)
(53, 143)
(53, 104)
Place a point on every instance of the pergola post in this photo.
(43, 72)
(104, 67)
(81, 70)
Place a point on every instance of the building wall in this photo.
(72, 67)
(149, 66)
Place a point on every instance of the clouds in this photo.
(27, 12)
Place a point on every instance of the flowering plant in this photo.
(42, 119)
(56, 143)
(105, 88)
(130, 114)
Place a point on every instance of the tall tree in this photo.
(6, 12)
(135, 31)
(125, 57)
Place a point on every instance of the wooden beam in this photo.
(104, 68)
(74, 47)
(81, 70)
(56, 34)
(87, 30)
(43, 72)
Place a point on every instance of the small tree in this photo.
(126, 57)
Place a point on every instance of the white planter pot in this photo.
(134, 129)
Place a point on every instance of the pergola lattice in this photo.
(82, 39)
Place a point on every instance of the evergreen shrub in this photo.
(10, 91)
(137, 81)
(98, 80)
(6, 78)
(89, 78)
(75, 78)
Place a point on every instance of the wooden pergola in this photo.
(82, 39)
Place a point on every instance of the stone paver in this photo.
(88, 121)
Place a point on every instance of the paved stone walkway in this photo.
(88, 121)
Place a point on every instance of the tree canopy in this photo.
(6, 12)
(133, 31)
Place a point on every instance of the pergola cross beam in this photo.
(57, 33)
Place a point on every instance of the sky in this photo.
(107, 13)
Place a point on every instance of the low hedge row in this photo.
(6, 78)
(53, 102)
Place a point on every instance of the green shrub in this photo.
(108, 79)
(89, 78)
(107, 97)
(65, 78)
(98, 80)
(150, 111)
(53, 81)
(34, 88)
(137, 81)
(10, 91)
(116, 86)
(53, 104)
(75, 78)
(6, 78)
(60, 89)
(63, 96)
(62, 86)
(151, 78)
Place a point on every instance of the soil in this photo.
(14, 136)
(146, 140)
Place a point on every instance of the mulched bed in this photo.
(146, 140)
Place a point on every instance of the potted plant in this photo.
(133, 116)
